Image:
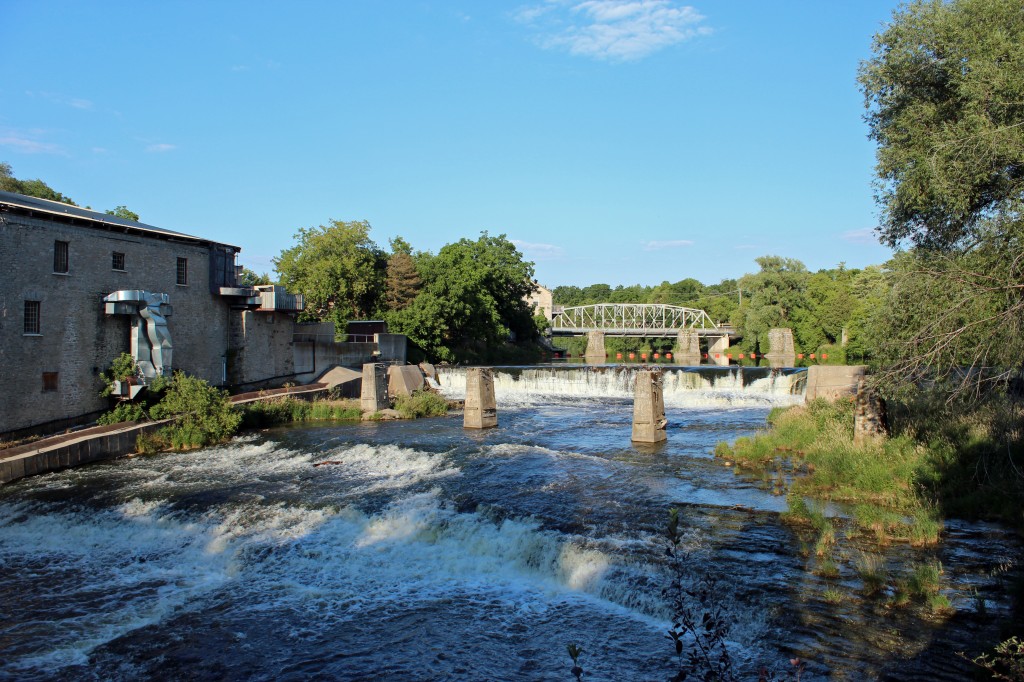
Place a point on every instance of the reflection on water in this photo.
(425, 551)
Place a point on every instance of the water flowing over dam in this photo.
(422, 551)
(683, 386)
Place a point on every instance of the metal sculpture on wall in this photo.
(151, 339)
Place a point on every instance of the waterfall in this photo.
(683, 386)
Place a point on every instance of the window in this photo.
(32, 317)
(60, 256)
(49, 381)
(183, 271)
(118, 261)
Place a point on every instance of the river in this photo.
(423, 551)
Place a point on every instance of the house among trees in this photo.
(82, 287)
(541, 301)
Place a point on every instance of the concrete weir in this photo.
(373, 396)
(481, 409)
(649, 408)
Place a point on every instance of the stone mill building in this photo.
(79, 288)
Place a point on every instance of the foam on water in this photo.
(118, 570)
(704, 387)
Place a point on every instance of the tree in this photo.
(338, 268)
(32, 188)
(473, 293)
(776, 294)
(250, 278)
(123, 212)
(945, 96)
(403, 279)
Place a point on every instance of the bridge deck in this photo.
(650, 331)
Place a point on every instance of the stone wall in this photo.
(76, 339)
(261, 347)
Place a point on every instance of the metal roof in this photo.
(35, 204)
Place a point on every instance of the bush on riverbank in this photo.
(421, 404)
(267, 413)
(202, 414)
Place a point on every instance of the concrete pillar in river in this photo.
(718, 346)
(687, 348)
(595, 347)
(781, 351)
(481, 410)
(373, 396)
(649, 408)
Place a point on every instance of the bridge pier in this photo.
(481, 409)
(687, 348)
(781, 352)
(718, 345)
(649, 408)
(595, 347)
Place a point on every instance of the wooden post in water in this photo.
(481, 410)
(649, 408)
(373, 395)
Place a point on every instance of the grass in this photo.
(881, 478)
(872, 572)
(265, 413)
(833, 596)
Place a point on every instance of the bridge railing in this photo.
(630, 319)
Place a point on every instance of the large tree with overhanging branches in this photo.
(944, 90)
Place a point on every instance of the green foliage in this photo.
(881, 478)
(31, 188)
(421, 403)
(124, 412)
(574, 653)
(123, 212)
(944, 90)
(473, 292)
(338, 268)
(1006, 662)
(265, 413)
(122, 368)
(250, 278)
(203, 415)
(403, 281)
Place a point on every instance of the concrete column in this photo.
(481, 410)
(648, 408)
(781, 352)
(718, 345)
(687, 348)
(595, 347)
(374, 394)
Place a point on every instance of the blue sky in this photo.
(613, 141)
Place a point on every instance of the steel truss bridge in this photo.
(634, 319)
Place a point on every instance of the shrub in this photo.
(202, 413)
(122, 368)
(124, 412)
(421, 403)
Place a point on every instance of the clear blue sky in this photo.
(613, 141)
